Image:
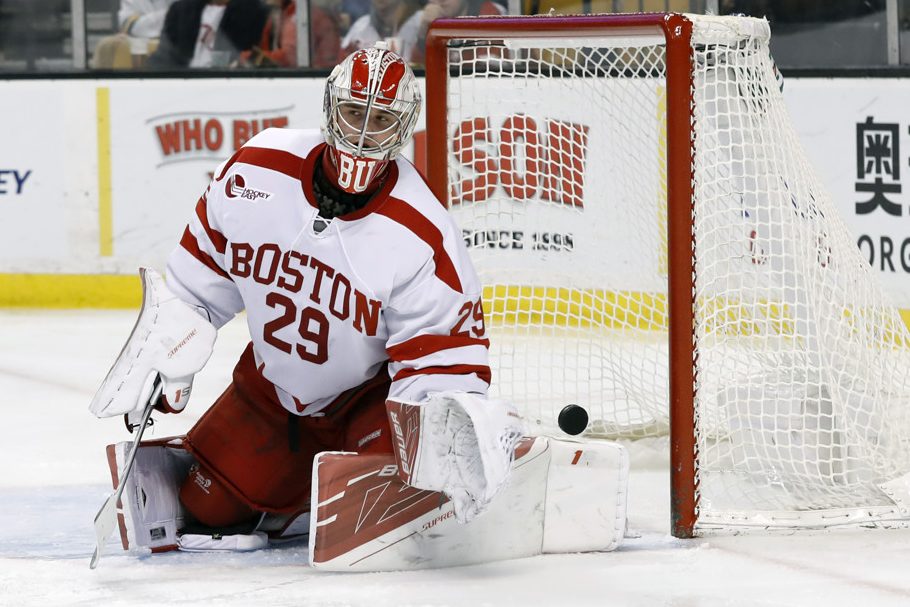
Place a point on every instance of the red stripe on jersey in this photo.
(217, 238)
(424, 345)
(482, 371)
(227, 166)
(267, 158)
(401, 212)
(190, 243)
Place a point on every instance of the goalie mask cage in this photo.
(655, 247)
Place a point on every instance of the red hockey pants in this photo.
(254, 456)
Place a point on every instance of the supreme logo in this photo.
(181, 343)
(235, 187)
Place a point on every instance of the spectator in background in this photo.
(208, 33)
(141, 21)
(325, 33)
(414, 31)
(351, 11)
(278, 46)
(382, 23)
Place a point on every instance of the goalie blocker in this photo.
(561, 496)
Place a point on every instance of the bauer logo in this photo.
(235, 187)
(402, 446)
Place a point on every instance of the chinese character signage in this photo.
(878, 167)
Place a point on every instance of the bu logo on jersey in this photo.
(235, 187)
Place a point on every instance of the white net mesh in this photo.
(803, 390)
(557, 177)
(576, 296)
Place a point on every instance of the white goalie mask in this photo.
(369, 113)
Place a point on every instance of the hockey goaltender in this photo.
(357, 415)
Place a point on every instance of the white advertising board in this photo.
(855, 132)
(32, 175)
(167, 136)
(550, 188)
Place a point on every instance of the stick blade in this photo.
(105, 522)
(106, 519)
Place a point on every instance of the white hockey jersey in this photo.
(326, 309)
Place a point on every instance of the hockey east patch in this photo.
(235, 187)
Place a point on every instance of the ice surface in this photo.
(54, 478)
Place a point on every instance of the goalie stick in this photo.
(106, 519)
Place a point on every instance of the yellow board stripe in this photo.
(70, 291)
(508, 305)
(553, 307)
(105, 212)
(516, 305)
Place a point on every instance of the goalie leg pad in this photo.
(150, 512)
(560, 497)
(151, 516)
(587, 492)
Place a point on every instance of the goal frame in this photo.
(677, 32)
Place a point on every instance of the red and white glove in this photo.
(171, 339)
(458, 443)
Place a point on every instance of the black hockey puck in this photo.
(572, 419)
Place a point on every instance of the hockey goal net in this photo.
(656, 248)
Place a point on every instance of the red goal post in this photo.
(677, 30)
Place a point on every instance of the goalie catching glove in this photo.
(171, 339)
(458, 443)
